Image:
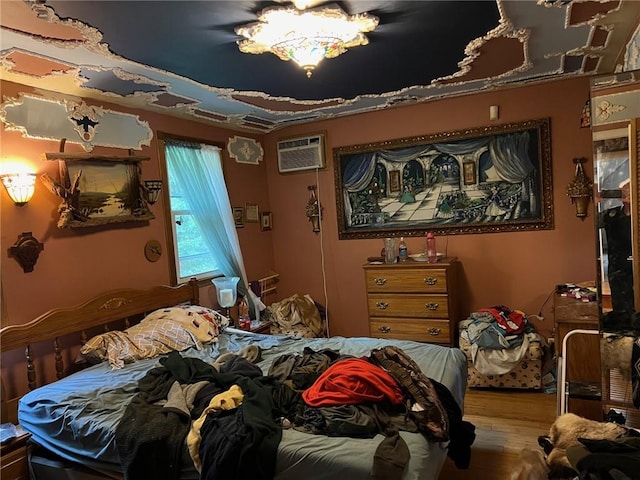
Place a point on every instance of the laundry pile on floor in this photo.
(499, 337)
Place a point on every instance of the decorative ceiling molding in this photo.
(34, 65)
(55, 119)
(90, 49)
(616, 107)
(632, 53)
(245, 150)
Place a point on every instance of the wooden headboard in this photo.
(106, 310)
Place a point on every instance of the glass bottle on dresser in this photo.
(431, 252)
(402, 250)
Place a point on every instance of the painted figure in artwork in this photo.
(495, 207)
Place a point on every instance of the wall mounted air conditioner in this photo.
(302, 153)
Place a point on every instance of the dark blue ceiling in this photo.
(415, 42)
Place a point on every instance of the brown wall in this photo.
(515, 269)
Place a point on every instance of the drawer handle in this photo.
(434, 331)
(379, 281)
(384, 329)
(432, 306)
(431, 280)
(382, 305)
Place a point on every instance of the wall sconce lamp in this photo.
(152, 190)
(314, 209)
(580, 189)
(20, 186)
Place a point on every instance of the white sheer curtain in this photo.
(197, 170)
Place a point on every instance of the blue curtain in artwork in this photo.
(508, 151)
(510, 155)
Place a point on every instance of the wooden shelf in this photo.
(90, 156)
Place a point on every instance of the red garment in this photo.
(511, 321)
(351, 381)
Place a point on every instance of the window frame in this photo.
(169, 215)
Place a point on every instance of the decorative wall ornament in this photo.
(114, 303)
(580, 189)
(85, 119)
(606, 109)
(86, 125)
(245, 150)
(26, 251)
(585, 115)
(314, 209)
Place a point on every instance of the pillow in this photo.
(164, 330)
(208, 313)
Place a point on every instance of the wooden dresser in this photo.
(413, 300)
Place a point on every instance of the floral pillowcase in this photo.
(166, 329)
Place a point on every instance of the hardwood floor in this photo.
(507, 422)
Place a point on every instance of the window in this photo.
(191, 251)
(191, 254)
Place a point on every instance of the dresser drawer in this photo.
(410, 305)
(432, 331)
(410, 280)
(14, 465)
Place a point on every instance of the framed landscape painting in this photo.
(480, 180)
(98, 192)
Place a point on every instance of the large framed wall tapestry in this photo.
(489, 179)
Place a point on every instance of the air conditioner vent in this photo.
(303, 153)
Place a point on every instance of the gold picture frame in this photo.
(441, 189)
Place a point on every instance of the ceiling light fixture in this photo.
(305, 36)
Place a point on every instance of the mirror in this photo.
(614, 168)
(616, 128)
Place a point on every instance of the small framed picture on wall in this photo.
(251, 213)
(266, 221)
(238, 216)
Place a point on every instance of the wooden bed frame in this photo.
(110, 310)
(61, 331)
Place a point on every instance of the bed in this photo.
(73, 420)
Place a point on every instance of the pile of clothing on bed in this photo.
(231, 415)
(296, 316)
(503, 348)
